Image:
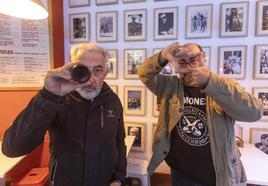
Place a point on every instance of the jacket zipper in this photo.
(101, 112)
(53, 172)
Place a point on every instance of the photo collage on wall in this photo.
(167, 22)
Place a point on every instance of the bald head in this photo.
(193, 47)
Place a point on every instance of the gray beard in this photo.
(88, 94)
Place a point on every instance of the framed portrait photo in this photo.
(156, 106)
(198, 21)
(259, 138)
(207, 52)
(133, 58)
(234, 19)
(106, 24)
(232, 61)
(138, 130)
(106, 2)
(79, 27)
(113, 64)
(134, 100)
(261, 93)
(135, 25)
(78, 3)
(260, 62)
(261, 18)
(166, 23)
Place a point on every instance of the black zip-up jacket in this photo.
(86, 136)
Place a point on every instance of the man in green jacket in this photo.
(195, 132)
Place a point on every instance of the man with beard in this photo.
(84, 121)
(195, 132)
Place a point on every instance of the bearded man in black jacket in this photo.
(84, 121)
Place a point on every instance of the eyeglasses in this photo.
(191, 61)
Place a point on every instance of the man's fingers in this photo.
(184, 70)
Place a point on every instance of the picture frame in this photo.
(238, 131)
(234, 19)
(135, 25)
(261, 18)
(156, 106)
(258, 137)
(232, 61)
(207, 52)
(106, 26)
(133, 58)
(154, 128)
(113, 64)
(134, 100)
(78, 3)
(260, 62)
(136, 129)
(79, 27)
(198, 21)
(114, 88)
(261, 93)
(166, 23)
(133, 1)
(106, 2)
(156, 50)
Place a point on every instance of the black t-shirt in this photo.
(190, 152)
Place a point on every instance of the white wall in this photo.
(149, 44)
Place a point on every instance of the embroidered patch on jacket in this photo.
(110, 114)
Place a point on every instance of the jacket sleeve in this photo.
(233, 99)
(30, 126)
(120, 171)
(149, 75)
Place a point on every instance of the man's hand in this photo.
(59, 82)
(195, 77)
(172, 53)
(115, 184)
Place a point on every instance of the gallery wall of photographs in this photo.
(234, 35)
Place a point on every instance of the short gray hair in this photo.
(78, 49)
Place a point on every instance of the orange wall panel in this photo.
(11, 104)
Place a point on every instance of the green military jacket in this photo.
(227, 101)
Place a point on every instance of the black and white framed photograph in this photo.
(133, 58)
(79, 27)
(260, 62)
(106, 2)
(259, 138)
(261, 93)
(134, 100)
(106, 24)
(113, 64)
(261, 18)
(198, 21)
(207, 53)
(138, 130)
(234, 19)
(135, 25)
(232, 61)
(78, 3)
(166, 23)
